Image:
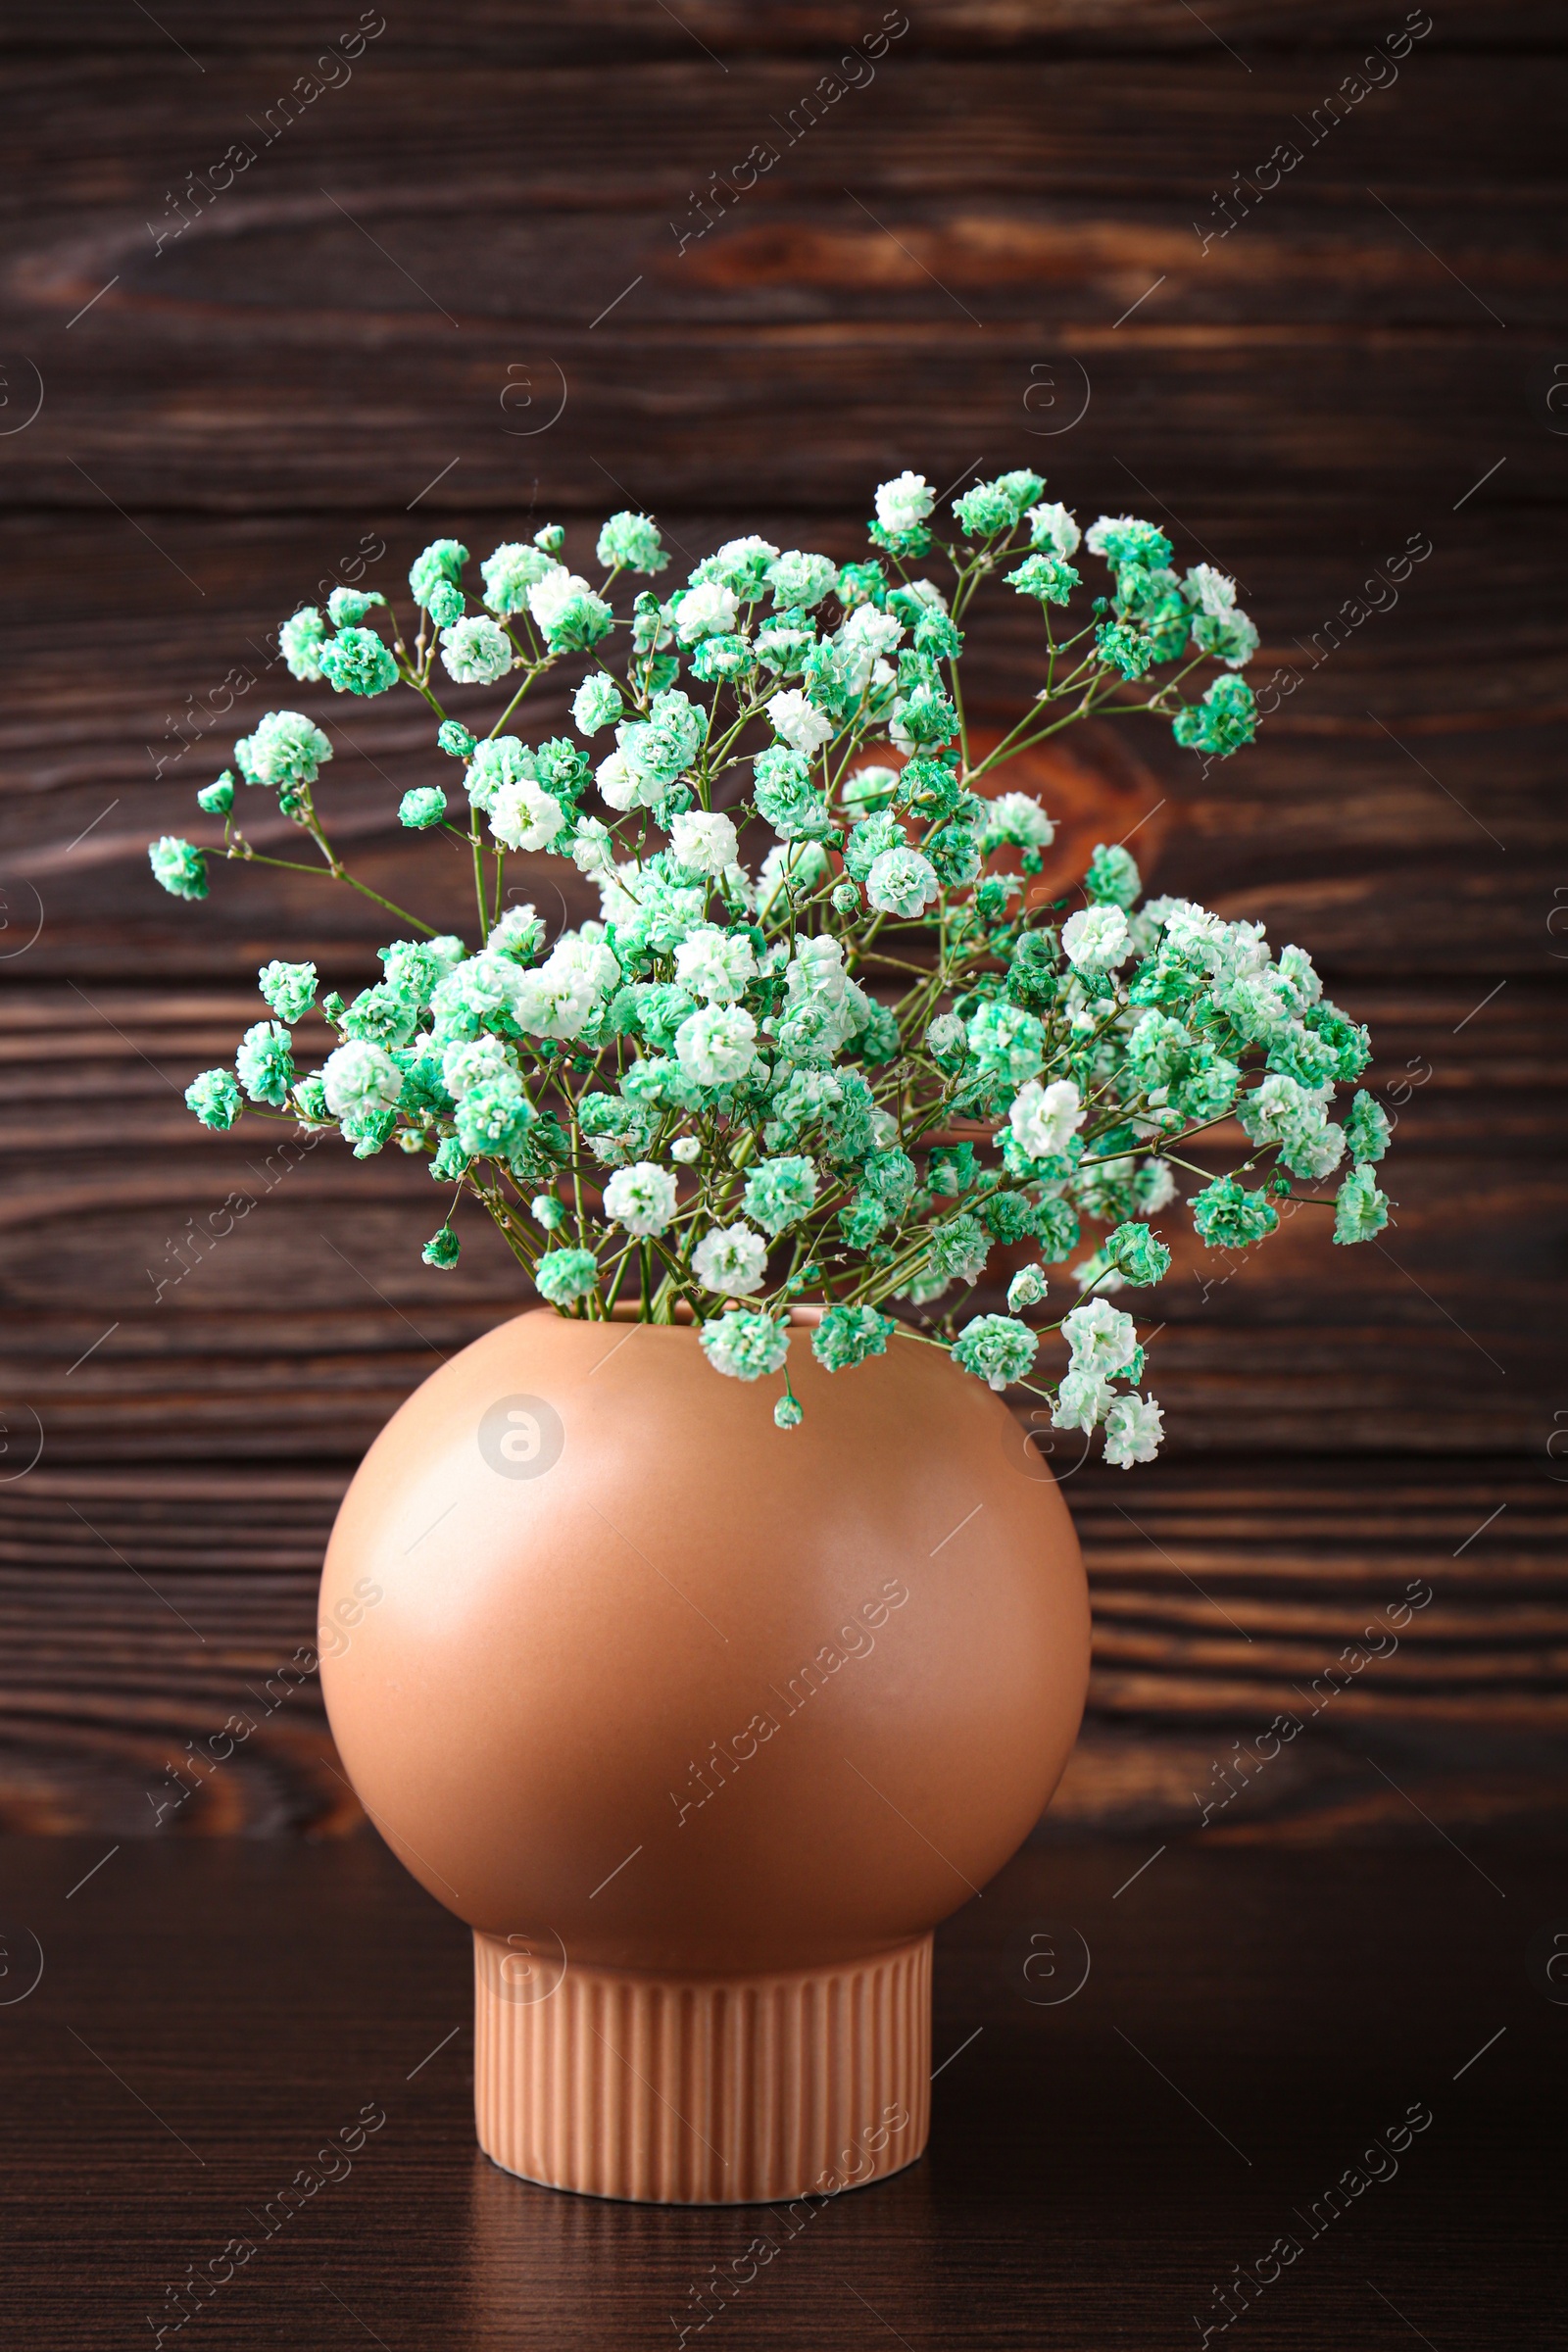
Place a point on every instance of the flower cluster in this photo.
(822, 1042)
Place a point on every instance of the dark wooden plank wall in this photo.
(487, 215)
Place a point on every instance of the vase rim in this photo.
(804, 1314)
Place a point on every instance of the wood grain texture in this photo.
(211, 2018)
(501, 206)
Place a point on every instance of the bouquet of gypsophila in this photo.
(850, 1075)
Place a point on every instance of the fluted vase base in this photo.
(702, 2090)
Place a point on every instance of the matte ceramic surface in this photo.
(820, 1683)
(633, 1680)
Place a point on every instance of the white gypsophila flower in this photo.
(523, 816)
(798, 577)
(641, 1198)
(1026, 1289)
(1083, 1398)
(509, 571)
(468, 1062)
(1210, 590)
(1297, 968)
(749, 555)
(902, 882)
(687, 1149)
(618, 782)
(1096, 938)
(596, 702)
(1157, 1186)
(1100, 1337)
(705, 842)
(1052, 527)
(904, 502)
(476, 651)
(816, 970)
(797, 722)
(866, 637)
(557, 999)
(869, 632)
(548, 598)
(593, 848)
(480, 984)
(731, 1260)
(503, 759)
(360, 1077)
(1017, 817)
(519, 932)
(706, 611)
(1189, 929)
(716, 964)
(716, 1046)
(1044, 1118)
(1134, 1427)
(588, 952)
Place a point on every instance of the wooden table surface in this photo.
(1227, 2035)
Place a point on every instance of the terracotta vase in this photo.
(702, 1726)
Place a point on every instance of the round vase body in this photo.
(701, 1725)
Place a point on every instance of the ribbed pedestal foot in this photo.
(702, 2090)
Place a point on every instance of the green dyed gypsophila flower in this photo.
(476, 651)
(287, 750)
(1027, 1287)
(745, 1345)
(596, 704)
(357, 661)
(1047, 577)
(423, 807)
(1361, 1210)
(439, 565)
(1225, 718)
(265, 1064)
(1230, 1217)
(1137, 1255)
(630, 542)
(289, 989)
(348, 607)
(780, 1193)
(214, 1098)
(299, 643)
(179, 865)
(564, 1275)
(812, 1027)
(848, 1334)
(996, 1349)
(1366, 1130)
(1112, 878)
